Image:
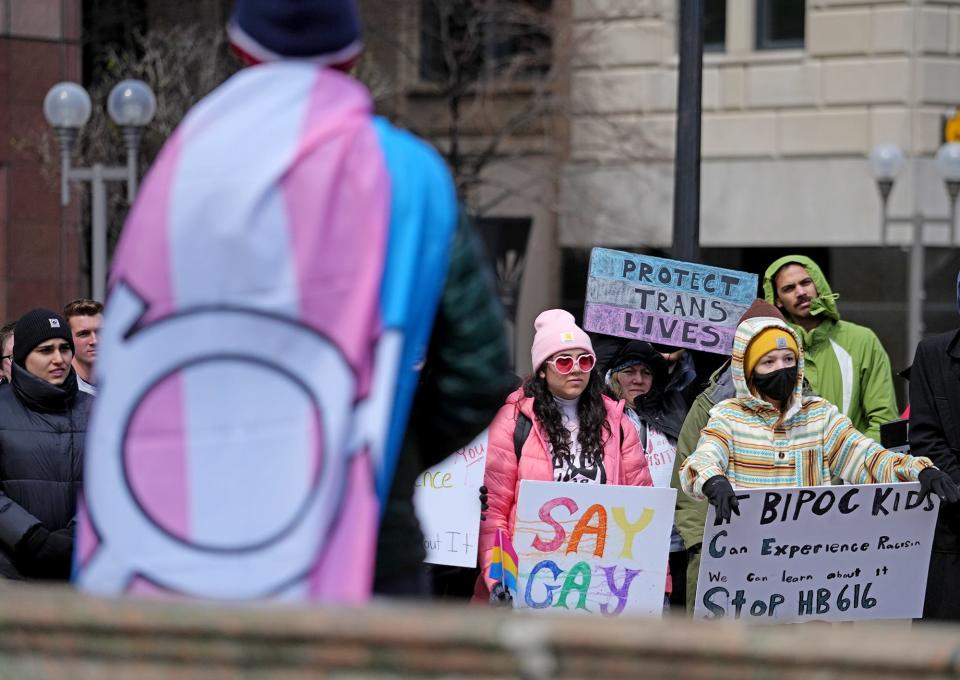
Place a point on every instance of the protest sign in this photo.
(447, 500)
(837, 553)
(599, 549)
(682, 304)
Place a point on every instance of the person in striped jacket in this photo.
(771, 435)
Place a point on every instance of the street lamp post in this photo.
(131, 104)
(886, 161)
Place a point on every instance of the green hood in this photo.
(826, 300)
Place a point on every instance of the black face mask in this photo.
(777, 384)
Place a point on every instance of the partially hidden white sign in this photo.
(593, 549)
(837, 553)
(447, 499)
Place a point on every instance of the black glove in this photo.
(483, 503)
(939, 482)
(719, 492)
(500, 596)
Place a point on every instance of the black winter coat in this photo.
(935, 433)
(42, 432)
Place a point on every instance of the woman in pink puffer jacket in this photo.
(577, 435)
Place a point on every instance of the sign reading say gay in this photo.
(593, 549)
(682, 304)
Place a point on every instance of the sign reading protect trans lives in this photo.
(836, 553)
(682, 304)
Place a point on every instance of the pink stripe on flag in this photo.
(86, 540)
(344, 572)
(142, 258)
(144, 588)
(338, 205)
(155, 458)
(507, 546)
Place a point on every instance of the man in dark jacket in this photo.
(43, 421)
(935, 434)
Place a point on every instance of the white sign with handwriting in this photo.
(447, 499)
(837, 553)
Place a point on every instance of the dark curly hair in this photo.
(594, 428)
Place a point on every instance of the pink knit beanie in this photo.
(557, 331)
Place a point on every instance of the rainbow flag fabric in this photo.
(503, 566)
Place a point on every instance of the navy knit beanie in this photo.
(35, 327)
(324, 31)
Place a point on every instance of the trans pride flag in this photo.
(271, 296)
(503, 565)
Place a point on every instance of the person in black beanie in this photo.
(43, 423)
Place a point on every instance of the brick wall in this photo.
(55, 633)
(39, 243)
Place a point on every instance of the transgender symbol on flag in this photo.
(237, 535)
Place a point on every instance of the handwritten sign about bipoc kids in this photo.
(447, 500)
(837, 553)
(682, 304)
(591, 548)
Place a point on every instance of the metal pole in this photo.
(953, 190)
(99, 237)
(686, 181)
(65, 137)
(131, 137)
(885, 186)
(915, 289)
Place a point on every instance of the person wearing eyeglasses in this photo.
(575, 433)
(43, 423)
(6, 349)
(640, 375)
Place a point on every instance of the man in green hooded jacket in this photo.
(845, 362)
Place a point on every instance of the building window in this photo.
(714, 25)
(469, 40)
(780, 24)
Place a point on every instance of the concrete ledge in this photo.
(56, 633)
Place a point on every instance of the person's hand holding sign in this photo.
(720, 493)
(933, 480)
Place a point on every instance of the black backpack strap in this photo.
(520, 433)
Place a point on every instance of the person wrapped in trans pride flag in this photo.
(272, 298)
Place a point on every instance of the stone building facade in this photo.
(787, 125)
(795, 95)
